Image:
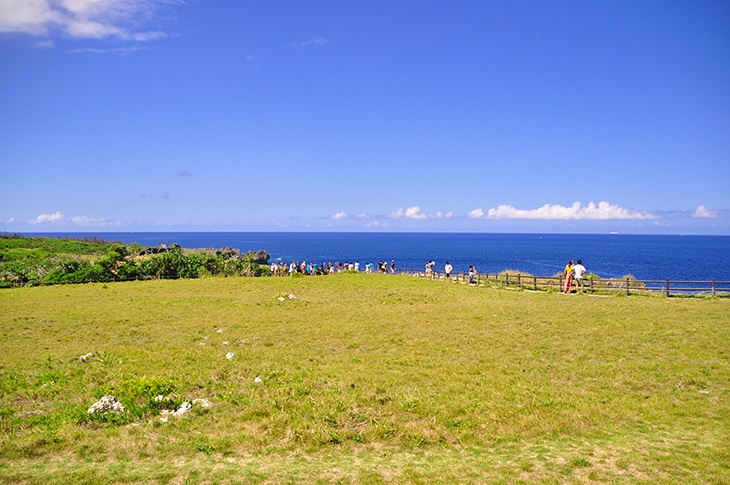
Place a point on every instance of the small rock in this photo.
(204, 403)
(229, 355)
(184, 408)
(107, 404)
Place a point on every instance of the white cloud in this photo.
(703, 212)
(414, 212)
(362, 215)
(339, 216)
(602, 211)
(313, 42)
(92, 222)
(47, 218)
(59, 219)
(84, 19)
(477, 213)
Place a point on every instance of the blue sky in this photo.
(480, 116)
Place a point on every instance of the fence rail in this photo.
(536, 283)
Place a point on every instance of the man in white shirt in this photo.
(579, 270)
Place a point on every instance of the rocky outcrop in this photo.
(260, 257)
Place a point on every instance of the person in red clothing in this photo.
(568, 272)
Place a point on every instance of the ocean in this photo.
(646, 257)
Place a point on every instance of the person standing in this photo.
(447, 270)
(579, 270)
(568, 272)
(392, 266)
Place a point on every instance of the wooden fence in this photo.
(592, 285)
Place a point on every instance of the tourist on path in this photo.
(579, 270)
(568, 272)
(447, 270)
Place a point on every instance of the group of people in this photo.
(574, 273)
(448, 269)
(282, 269)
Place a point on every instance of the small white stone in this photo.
(184, 408)
(229, 355)
(258, 379)
(204, 403)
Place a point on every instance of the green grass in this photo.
(364, 379)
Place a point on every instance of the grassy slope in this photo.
(366, 378)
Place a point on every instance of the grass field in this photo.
(361, 379)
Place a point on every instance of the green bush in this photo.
(35, 261)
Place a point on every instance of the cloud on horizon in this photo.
(704, 213)
(57, 218)
(125, 20)
(602, 211)
(414, 212)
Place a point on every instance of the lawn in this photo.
(361, 379)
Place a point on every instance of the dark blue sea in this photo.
(646, 257)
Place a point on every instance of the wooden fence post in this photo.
(519, 280)
(534, 282)
(628, 292)
(713, 287)
(667, 287)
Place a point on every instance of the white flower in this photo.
(258, 379)
(220, 330)
(229, 355)
(281, 298)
